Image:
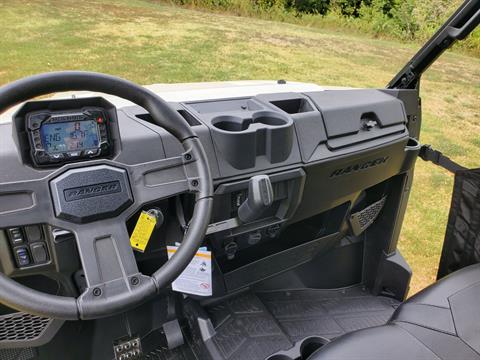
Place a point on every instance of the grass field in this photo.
(148, 42)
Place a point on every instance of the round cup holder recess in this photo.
(310, 345)
(302, 349)
(279, 357)
(269, 118)
(233, 123)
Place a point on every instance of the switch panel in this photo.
(22, 257)
(39, 253)
(28, 245)
(34, 233)
(16, 236)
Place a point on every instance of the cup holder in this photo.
(231, 123)
(269, 118)
(302, 349)
(237, 124)
(279, 357)
(310, 345)
(242, 139)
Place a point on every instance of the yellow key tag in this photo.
(142, 232)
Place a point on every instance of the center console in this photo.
(321, 152)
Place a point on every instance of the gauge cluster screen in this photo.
(57, 137)
(70, 136)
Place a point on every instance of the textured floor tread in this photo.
(327, 313)
(245, 329)
(254, 326)
(162, 353)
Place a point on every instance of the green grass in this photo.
(148, 42)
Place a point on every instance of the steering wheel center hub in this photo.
(91, 193)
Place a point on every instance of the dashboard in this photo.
(310, 145)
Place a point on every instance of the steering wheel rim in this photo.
(112, 299)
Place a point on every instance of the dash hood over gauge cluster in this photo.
(62, 131)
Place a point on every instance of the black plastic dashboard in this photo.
(321, 150)
(243, 135)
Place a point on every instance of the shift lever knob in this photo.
(260, 198)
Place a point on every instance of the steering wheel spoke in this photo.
(26, 202)
(105, 253)
(109, 266)
(164, 178)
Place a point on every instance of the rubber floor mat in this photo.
(254, 326)
(245, 329)
(155, 348)
(163, 353)
(327, 313)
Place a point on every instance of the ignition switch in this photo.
(157, 213)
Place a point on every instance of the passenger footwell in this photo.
(256, 325)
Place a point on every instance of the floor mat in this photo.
(163, 353)
(245, 329)
(155, 348)
(327, 313)
(254, 326)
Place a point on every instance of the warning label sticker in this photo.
(196, 279)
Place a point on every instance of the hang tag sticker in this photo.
(142, 232)
(196, 279)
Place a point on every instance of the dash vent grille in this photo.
(361, 220)
(22, 327)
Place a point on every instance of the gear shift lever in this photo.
(260, 198)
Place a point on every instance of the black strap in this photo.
(436, 157)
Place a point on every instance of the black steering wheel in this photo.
(114, 283)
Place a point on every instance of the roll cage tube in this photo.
(463, 21)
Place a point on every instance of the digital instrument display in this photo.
(60, 136)
(70, 136)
